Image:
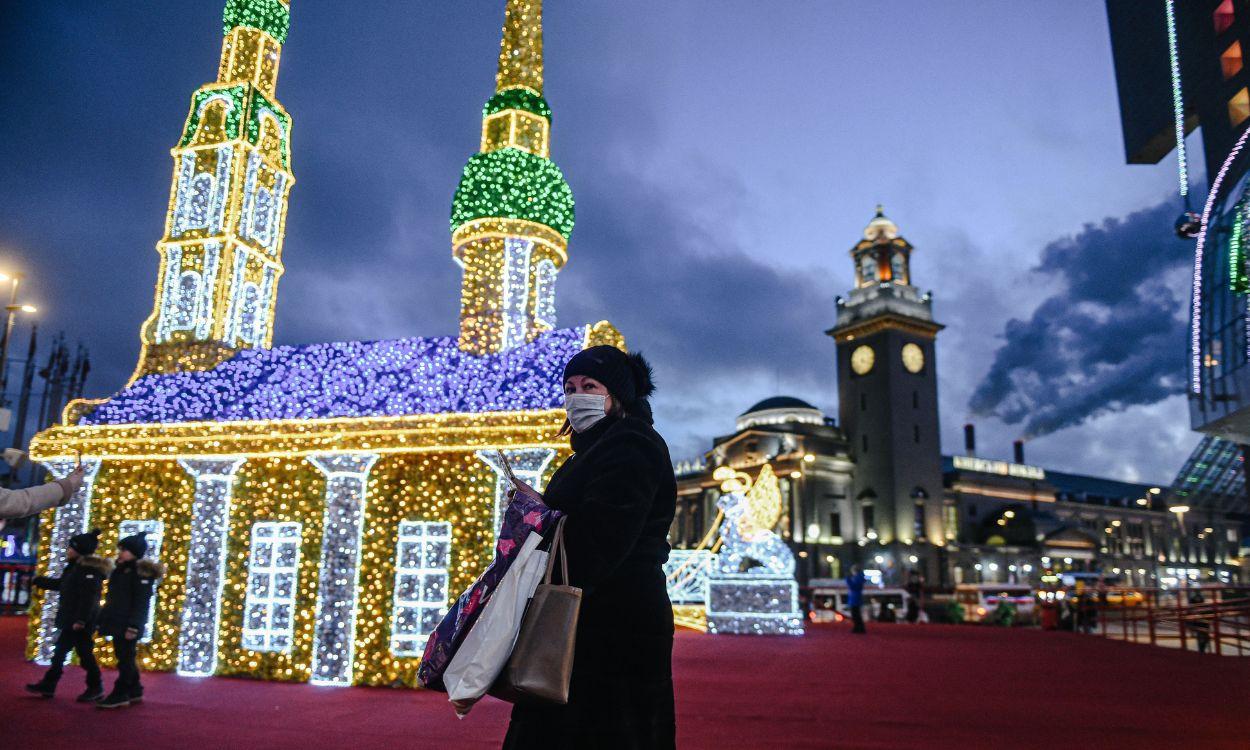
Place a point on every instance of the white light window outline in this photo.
(262, 586)
(155, 535)
(432, 567)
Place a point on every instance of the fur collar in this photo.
(150, 568)
(96, 563)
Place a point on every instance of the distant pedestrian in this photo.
(1198, 623)
(855, 598)
(76, 613)
(125, 615)
(915, 594)
(34, 500)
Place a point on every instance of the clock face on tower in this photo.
(862, 359)
(913, 357)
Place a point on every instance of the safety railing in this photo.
(1208, 619)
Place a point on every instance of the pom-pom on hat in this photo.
(136, 544)
(85, 543)
(628, 377)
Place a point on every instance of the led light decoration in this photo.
(206, 563)
(272, 573)
(222, 251)
(293, 486)
(334, 636)
(422, 557)
(1178, 99)
(751, 588)
(528, 465)
(70, 519)
(155, 531)
(270, 16)
(686, 571)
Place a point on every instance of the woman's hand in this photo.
(524, 489)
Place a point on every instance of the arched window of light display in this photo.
(199, 201)
(249, 314)
(272, 572)
(186, 302)
(422, 558)
(545, 293)
(155, 535)
(263, 216)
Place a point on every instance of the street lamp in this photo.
(12, 309)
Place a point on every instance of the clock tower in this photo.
(887, 393)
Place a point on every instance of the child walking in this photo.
(79, 586)
(125, 615)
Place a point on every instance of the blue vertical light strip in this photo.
(1178, 100)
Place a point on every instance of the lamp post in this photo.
(12, 309)
(1180, 511)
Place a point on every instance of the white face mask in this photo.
(585, 410)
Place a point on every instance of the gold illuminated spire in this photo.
(521, 53)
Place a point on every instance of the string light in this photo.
(1178, 99)
(270, 16)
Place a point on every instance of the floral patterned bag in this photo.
(523, 515)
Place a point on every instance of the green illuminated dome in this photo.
(270, 16)
(513, 184)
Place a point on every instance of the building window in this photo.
(1230, 61)
(864, 440)
(870, 517)
(950, 521)
(272, 569)
(972, 510)
(835, 523)
(915, 399)
(422, 558)
(863, 402)
(918, 520)
(1239, 108)
(915, 432)
(1223, 16)
(155, 535)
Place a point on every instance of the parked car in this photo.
(979, 600)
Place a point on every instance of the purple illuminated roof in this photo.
(351, 379)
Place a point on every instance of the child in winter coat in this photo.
(125, 615)
(79, 586)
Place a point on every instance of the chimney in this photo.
(970, 439)
(1018, 447)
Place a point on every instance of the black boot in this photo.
(42, 688)
(136, 696)
(116, 699)
(92, 694)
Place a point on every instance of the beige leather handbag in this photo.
(542, 659)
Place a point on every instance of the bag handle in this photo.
(557, 548)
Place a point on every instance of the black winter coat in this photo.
(79, 586)
(131, 587)
(619, 494)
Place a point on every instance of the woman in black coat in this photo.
(619, 494)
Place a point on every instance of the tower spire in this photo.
(513, 210)
(521, 52)
(221, 256)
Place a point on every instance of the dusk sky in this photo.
(724, 156)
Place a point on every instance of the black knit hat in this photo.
(85, 543)
(627, 377)
(136, 544)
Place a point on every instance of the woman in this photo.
(619, 494)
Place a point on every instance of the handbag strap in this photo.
(557, 548)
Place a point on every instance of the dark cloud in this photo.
(1112, 337)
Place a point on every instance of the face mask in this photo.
(584, 410)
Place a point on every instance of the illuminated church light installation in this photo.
(319, 504)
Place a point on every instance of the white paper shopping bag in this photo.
(488, 645)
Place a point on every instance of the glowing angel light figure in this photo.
(752, 510)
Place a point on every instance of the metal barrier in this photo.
(15, 582)
(1208, 619)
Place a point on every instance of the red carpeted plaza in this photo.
(901, 686)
